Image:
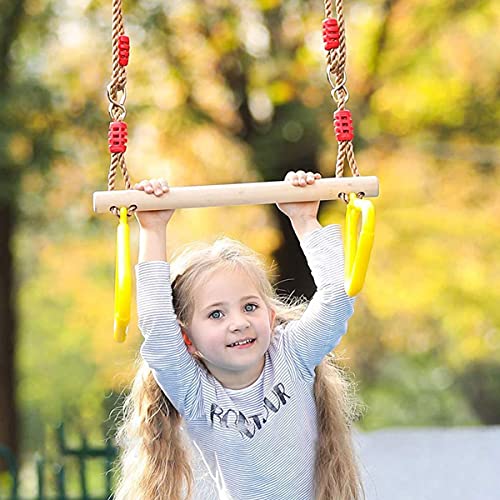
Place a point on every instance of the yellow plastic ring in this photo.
(358, 249)
(123, 278)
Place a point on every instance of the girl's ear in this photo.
(191, 348)
(186, 338)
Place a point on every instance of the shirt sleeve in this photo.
(324, 322)
(163, 349)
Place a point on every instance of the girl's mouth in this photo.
(242, 344)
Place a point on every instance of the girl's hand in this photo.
(155, 219)
(301, 210)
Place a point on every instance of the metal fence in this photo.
(75, 457)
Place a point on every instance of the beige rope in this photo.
(115, 159)
(119, 74)
(342, 49)
(117, 96)
(336, 68)
(331, 56)
(124, 170)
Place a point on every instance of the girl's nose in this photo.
(238, 323)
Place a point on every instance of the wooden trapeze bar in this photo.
(253, 193)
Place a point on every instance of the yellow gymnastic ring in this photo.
(123, 279)
(358, 249)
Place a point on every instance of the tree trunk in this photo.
(274, 156)
(8, 412)
(295, 277)
(13, 14)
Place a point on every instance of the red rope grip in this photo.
(344, 129)
(123, 49)
(331, 34)
(117, 137)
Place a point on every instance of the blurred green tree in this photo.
(25, 145)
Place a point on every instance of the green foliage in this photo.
(26, 104)
(413, 390)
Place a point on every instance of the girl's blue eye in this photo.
(250, 307)
(215, 315)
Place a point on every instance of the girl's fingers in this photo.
(310, 178)
(156, 187)
(164, 185)
(161, 186)
(150, 186)
(301, 178)
(292, 178)
(141, 185)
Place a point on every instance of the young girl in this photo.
(234, 398)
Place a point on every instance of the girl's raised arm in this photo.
(163, 348)
(324, 322)
(153, 224)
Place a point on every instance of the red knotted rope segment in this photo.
(117, 95)
(335, 45)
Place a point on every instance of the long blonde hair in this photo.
(154, 461)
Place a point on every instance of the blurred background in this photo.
(235, 91)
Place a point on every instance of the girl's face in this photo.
(231, 327)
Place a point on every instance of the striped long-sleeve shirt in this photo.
(256, 443)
